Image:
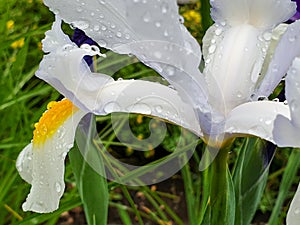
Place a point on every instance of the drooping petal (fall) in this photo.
(45, 156)
(149, 98)
(281, 61)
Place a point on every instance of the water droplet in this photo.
(141, 108)
(292, 39)
(276, 100)
(268, 122)
(157, 24)
(297, 211)
(207, 61)
(79, 9)
(96, 28)
(61, 132)
(267, 36)
(158, 108)
(158, 54)
(86, 47)
(81, 24)
(218, 31)
(170, 70)
(164, 8)
(239, 95)
(112, 107)
(102, 43)
(119, 34)
(275, 69)
(127, 36)
(58, 187)
(181, 19)
(63, 155)
(212, 49)
(294, 105)
(147, 17)
(293, 71)
(166, 33)
(43, 129)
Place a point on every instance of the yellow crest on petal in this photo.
(57, 113)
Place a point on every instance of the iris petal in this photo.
(256, 118)
(292, 91)
(287, 129)
(293, 216)
(45, 158)
(100, 94)
(281, 61)
(152, 31)
(263, 14)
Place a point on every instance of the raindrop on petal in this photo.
(58, 187)
(111, 107)
(147, 17)
(141, 108)
(81, 24)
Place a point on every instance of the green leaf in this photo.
(222, 198)
(289, 174)
(92, 187)
(205, 13)
(250, 177)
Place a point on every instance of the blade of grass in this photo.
(291, 170)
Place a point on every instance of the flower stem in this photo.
(222, 196)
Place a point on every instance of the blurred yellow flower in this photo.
(10, 25)
(39, 45)
(18, 43)
(139, 119)
(192, 15)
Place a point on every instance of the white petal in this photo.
(292, 91)
(55, 38)
(47, 165)
(285, 133)
(148, 98)
(119, 22)
(257, 118)
(287, 49)
(24, 163)
(293, 216)
(287, 130)
(234, 58)
(151, 30)
(276, 36)
(65, 69)
(264, 14)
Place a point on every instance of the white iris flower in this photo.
(246, 54)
